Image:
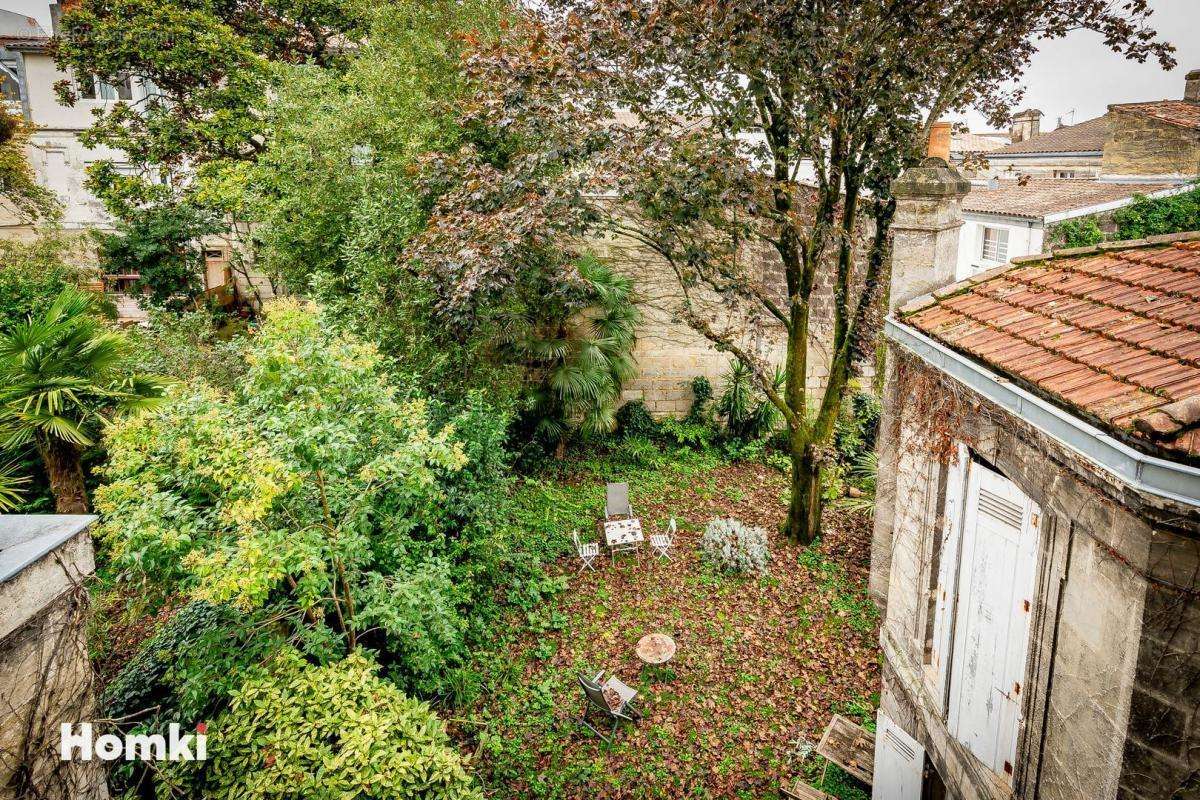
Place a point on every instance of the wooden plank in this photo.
(799, 790)
(850, 746)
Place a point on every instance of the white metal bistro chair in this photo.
(616, 501)
(587, 552)
(663, 542)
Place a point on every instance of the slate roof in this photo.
(1040, 197)
(1111, 333)
(1184, 113)
(1086, 137)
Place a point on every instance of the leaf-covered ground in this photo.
(761, 665)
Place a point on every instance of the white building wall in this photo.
(1025, 237)
(58, 157)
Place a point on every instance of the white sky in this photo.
(1076, 74)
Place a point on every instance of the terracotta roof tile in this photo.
(1184, 113)
(1042, 196)
(1086, 137)
(1112, 335)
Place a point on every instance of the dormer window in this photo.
(96, 89)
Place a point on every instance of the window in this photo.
(214, 254)
(9, 88)
(995, 244)
(1064, 173)
(96, 89)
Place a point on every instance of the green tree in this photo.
(60, 378)
(161, 245)
(33, 273)
(206, 66)
(316, 490)
(750, 126)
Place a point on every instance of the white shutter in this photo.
(991, 639)
(946, 589)
(899, 763)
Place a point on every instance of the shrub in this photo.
(638, 451)
(297, 730)
(1078, 233)
(748, 414)
(732, 546)
(688, 434)
(702, 393)
(633, 419)
(1150, 217)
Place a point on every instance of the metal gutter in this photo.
(1045, 154)
(1157, 476)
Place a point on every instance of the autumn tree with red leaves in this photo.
(708, 130)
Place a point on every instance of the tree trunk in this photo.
(65, 470)
(804, 513)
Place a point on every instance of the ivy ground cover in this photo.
(762, 663)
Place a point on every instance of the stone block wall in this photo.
(46, 676)
(1140, 145)
(670, 353)
(1162, 753)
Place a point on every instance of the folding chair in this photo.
(662, 542)
(587, 551)
(595, 702)
(616, 501)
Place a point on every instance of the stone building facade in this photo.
(1037, 544)
(1153, 139)
(45, 670)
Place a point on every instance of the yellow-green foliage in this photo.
(334, 731)
(315, 488)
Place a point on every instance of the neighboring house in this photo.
(1037, 532)
(966, 146)
(1149, 141)
(1006, 219)
(60, 159)
(1072, 151)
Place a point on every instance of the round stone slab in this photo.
(656, 648)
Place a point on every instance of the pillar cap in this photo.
(932, 179)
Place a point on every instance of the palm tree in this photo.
(60, 377)
(582, 352)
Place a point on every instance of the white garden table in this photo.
(623, 535)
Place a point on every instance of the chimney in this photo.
(925, 230)
(939, 141)
(1191, 86)
(1026, 124)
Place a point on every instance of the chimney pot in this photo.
(939, 141)
(1191, 86)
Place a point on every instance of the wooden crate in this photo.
(850, 746)
(799, 790)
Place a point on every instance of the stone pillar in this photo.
(924, 258)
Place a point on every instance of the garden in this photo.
(352, 524)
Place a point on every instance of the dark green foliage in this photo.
(638, 451)
(857, 427)
(32, 274)
(748, 414)
(1078, 233)
(579, 341)
(161, 245)
(633, 420)
(1146, 217)
(702, 393)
